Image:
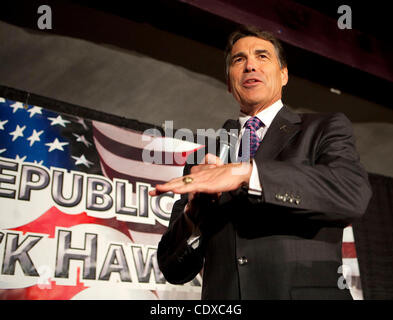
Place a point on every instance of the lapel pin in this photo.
(284, 128)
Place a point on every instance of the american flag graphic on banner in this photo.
(33, 134)
(76, 219)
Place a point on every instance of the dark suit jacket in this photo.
(285, 244)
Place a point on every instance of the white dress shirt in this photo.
(266, 116)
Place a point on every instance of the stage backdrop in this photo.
(76, 219)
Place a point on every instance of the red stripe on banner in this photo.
(133, 153)
(53, 218)
(156, 228)
(348, 250)
(112, 173)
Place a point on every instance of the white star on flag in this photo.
(2, 123)
(17, 158)
(2, 100)
(34, 110)
(18, 132)
(82, 160)
(82, 122)
(35, 136)
(39, 162)
(59, 120)
(82, 139)
(2, 150)
(16, 106)
(56, 145)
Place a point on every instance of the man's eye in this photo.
(237, 59)
(262, 56)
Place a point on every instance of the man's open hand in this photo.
(209, 178)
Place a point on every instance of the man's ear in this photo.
(284, 76)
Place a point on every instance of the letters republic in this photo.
(75, 191)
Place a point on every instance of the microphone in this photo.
(205, 222)
(227, 141)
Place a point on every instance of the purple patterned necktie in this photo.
(252, 125)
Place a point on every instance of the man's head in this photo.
(256, 68)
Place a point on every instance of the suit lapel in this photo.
(284, 126)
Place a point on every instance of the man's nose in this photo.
(250, 66)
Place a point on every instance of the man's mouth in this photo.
(251, 82)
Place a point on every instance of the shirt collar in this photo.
(266, 115)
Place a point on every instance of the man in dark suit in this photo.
(270, 226)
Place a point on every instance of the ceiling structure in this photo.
(357, 61)
(350, 59)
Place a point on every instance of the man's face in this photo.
(255, 76)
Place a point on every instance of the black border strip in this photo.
(72, 109)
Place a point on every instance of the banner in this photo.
(76, 219)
